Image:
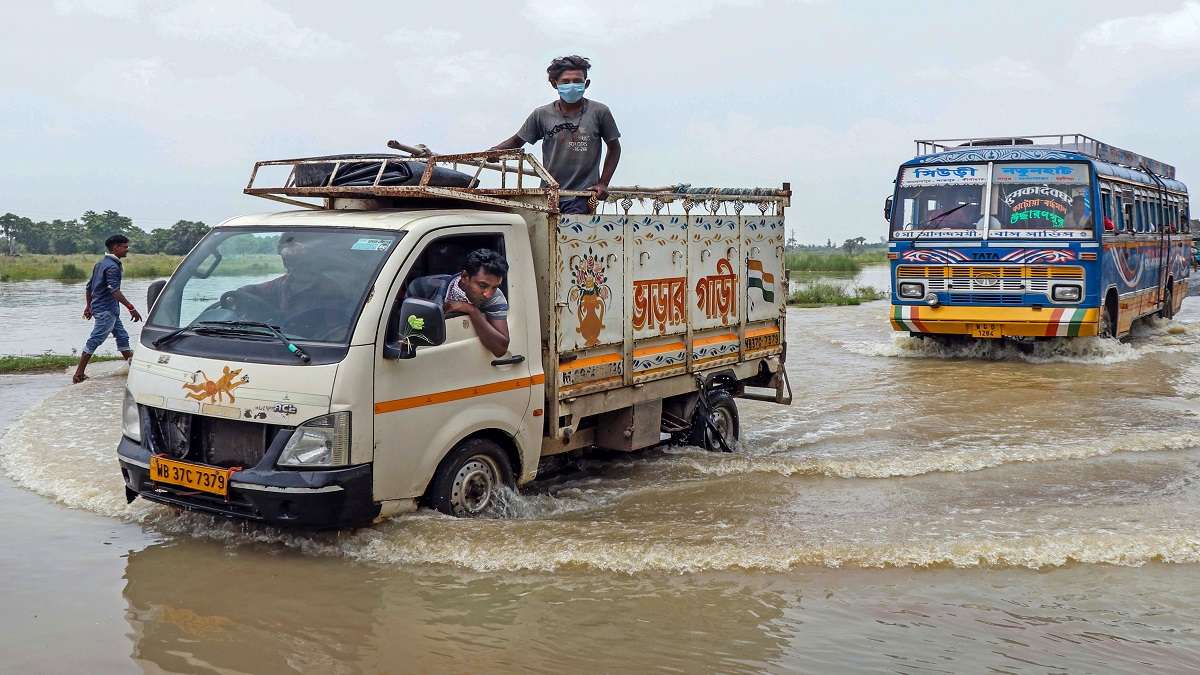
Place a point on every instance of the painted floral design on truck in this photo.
(589, 295)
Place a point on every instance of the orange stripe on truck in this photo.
(457, 394)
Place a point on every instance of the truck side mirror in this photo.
(421, 324)
(152, 294)
(887, 209)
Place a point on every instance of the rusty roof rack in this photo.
(513, 173)
(1079, 143)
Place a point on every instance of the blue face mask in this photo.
(571, 92)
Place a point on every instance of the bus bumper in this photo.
(996, 322)
(334, 498)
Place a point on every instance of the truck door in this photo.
(426, 404)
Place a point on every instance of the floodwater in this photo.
(915, 510)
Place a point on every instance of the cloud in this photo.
(246, 23)
(1177, 30)
(113, 9)
(582, 18)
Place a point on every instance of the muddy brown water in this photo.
(915, 510)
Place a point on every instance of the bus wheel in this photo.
(1168, 308)
(469, 480)
(1108, 321)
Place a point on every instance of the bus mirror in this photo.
(887, 209)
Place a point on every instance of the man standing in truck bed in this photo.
(571, 129)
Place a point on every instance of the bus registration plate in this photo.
(984, 330)
(195, 476)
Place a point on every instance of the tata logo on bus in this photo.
(986, 255)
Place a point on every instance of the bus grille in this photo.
(989, 279)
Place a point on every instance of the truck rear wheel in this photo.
(720, 428)
(469, 480)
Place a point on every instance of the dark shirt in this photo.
(571, 144)
(106, 278)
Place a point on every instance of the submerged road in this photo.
(915, 510)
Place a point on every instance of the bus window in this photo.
(1042, 200)
(947, 198)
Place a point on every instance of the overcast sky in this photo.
(158, 109)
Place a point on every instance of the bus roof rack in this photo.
(1081, 143)
(516, 178)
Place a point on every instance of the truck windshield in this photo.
(309, 282)
(1041, 201)
(946, 198)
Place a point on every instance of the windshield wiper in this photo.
(943, 215)
(232, 328)
(272, 330)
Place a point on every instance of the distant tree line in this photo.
(87, 233)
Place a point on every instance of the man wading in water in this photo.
(103, 293)
(571, 129)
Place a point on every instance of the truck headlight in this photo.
(1066, 294)
(131, 421)
(912, 290)
(322, 441)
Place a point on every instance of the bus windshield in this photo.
(946, 198)
(1041, 201)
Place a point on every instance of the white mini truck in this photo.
(283, 375)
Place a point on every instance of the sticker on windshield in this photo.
(367, 244)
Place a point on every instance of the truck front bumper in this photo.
(333, 498)
(995, 321)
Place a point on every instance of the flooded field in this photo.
(915, 510)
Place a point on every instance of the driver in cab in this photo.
(304, 287)
(475, 292)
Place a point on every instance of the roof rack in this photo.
(1080, 143)
(518, 181)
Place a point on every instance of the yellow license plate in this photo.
(984, 330)
(195, 476)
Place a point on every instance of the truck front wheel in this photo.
(469, 480)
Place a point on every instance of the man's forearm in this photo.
(495, 341)
(511, 143)
(122, 299)
(611, 159)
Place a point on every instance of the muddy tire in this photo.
(469, 480)
(723, 415)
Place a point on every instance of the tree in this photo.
(100, 226)
(851, 245)
(11, 227)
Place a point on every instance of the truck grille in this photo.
(1003, 279)
(209, 440)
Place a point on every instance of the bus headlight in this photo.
(1066, 294)
(320, 442)
(912, 290)
(131, 421)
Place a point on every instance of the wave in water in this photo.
(1148, 336)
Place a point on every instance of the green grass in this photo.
(78, 266)
(822, 294)
(43, 362)
(804, 261)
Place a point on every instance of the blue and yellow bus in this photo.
(1034, 237)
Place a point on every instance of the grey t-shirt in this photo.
(571, 145)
